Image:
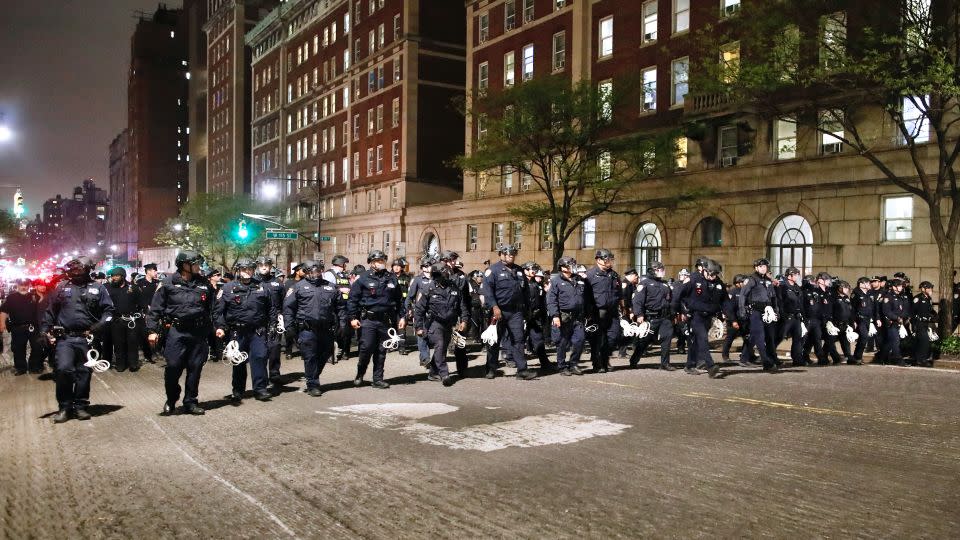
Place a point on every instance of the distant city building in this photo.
(157, 126)
(196, 14)
(121, 217)
(77, 223)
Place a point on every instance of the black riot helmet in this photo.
(312, 266)
(339, 260)
(244, 262)
(188, 257)
(440, 272)
(508, 249)
(567, 262)
(376, 255)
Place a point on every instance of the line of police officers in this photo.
(323, 309)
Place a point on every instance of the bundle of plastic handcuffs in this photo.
(640, 330)
(93, 358)
(233, 354)
(769, 315)
(393, 340)
(718, 330)
(459, 340)
(489, 336)
(132, 319)
(852, 335)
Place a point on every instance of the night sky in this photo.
(63, 91)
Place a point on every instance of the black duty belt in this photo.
(194, 324)
(375, 316)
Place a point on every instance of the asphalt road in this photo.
(847, 451)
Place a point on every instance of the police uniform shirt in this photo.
(842, 309)
(316, 302)
(864, 305)
(503, 287)
(441, 303)
(377, 292)
(20, 309)
(77, 307)
(417, 284)
(819, 305)
(652, 298)
(894, 308)
(179, 300)
(922, 308)
(248, 305)
(757, 292)
(605, 288)
(565, 295)
(147, 290)
(125, 297)
(700, 295)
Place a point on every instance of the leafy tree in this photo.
(209, 223)
(802, 61)
(569, 144)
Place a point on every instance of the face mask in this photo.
(379, 266)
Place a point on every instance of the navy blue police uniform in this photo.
(652, 302)
(701, 299)
(23, 323)
(436, 310)
(567, 300)
(791, 319)
(376, 301)
(756, 295)
(316, 306)
(606, 290)
(244, 312)
(505, 286)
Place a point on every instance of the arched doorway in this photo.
(646, 246)
(431, 245)
(791, 244)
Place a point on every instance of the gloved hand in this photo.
(497, 314)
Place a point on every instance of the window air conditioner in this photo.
(546, 244)
(728, 161)
(473, 246)
(832, 148)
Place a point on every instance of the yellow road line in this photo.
(780, 405)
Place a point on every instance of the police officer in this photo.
(819, 309)
(417, 284)
(536, 315)
(337, 274)
(437, 309)
(922, 316)
(460, 282)
(243, 312)
(791, 300)
(122, 335)
(296, 274)
(216, 285)
(317, 306)
(698, 301)
(475, 281)
(267, 277)
(504, 294)
(185, 300)
(734, 326)
(843, 317)
(878, 291)
(148, 287)
(604, 284)
(864, 314)
(566, 304)
(374, 306)
(20, 316)
(756, 296)
(651, 303)
(79, 308)
(682, 325)
(47, 351)
(895, 311)
(629, 286)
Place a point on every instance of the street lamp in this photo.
(178, 227)
(6, 133)
(93, 251)
(270, 190)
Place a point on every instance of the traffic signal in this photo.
(242, 232)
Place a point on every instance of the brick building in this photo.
(120, 217)
(196, 13)
(787, 192)
(353, 111)
(227, 77)
(157, 126)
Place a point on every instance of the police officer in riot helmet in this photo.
(185, 300)
(244, 311)
(375, 306)
(460, 282)
(273, 285)
(505, 295)
(317, 306)
(437, 310)
(80, 307)
(338, 275)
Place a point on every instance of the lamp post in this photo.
(6, 134)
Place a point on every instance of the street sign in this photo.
(276, 234)
(325, 238)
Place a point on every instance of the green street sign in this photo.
(281, 235)
(325, 238)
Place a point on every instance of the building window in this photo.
(395, 113)
(649, 77)
(559, 51)
(650, 21)
(729, 62)
(379, 158)
(499, 235)
(370, 121)
(518, 234)
(791, 244)
(395, 155)
(509, 69)
(386, 241)
(396, 27)
(356, 165)
(605, 37)
(559, 4)
(605, 96)
(588, 233)
(678, 74)
(394, 197)
(729, 7)
(379, 118)
(681, 16)
(680, 163)
(472, 234)
(381, 35)
(508, 173)
(604, 165)
(369, 161)
(481, 127)
(646, 247)
(833, 38)
(345, 165)
(509, 15)
(356, 127)
(527, 10)
(785, 138)
(528, 62)
(379, 200)
(396, 69)
(898, 218)
(711, 232)
(728, 146)
(915, 120)
(831, 132)
(483, 21)
(483, 75)
(370, 208)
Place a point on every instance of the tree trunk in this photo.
(557, 253)
(946, 248)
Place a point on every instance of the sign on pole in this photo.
(277, 234)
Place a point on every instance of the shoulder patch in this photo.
(886, 300)
(487, 272)
(93, 290)
(289, 291)
(219, 294)
(639, 288)
(915, 300)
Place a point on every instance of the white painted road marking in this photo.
(526, 432)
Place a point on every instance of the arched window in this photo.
(431, 245)
(791, 244)
(646, 246)
(711, 232)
